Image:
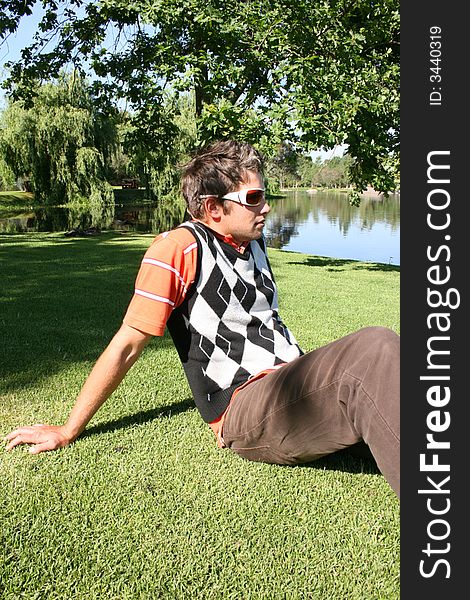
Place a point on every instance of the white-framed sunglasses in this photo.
(249, 197)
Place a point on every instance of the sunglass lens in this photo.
(254, 197)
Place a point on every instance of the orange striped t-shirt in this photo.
(167, 271)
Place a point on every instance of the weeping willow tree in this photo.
(60, 143)
(7, 177)
(157, 163)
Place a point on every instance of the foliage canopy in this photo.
(315, 74)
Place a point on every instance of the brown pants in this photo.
(324, 401)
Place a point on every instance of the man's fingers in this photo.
(43, 447)
(44, 437)
(14, 441)
(22, 438)
(24, 435)
(23, 430)
(12, 434)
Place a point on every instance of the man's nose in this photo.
(266, 208)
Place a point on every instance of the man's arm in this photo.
(108, 372)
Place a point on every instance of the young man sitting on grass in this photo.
(210, 282)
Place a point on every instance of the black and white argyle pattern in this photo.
(231, 318)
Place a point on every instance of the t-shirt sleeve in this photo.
(167, 271)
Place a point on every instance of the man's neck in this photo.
(227, 238)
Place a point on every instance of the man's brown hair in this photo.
(218, 169)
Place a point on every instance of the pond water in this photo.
(322, 223)
(325, 224)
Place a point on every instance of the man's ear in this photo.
(213, 209)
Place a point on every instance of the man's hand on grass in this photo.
(109, 370)
(42, 438)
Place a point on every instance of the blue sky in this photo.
(11, 46)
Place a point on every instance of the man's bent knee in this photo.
(380, 334)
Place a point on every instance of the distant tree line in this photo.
(291, 168)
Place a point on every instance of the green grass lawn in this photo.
(143, 505)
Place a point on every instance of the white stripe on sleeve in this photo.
(153, 297)
(162, 265)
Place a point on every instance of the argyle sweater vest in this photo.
(228, 329)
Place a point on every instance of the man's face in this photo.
(245, 223)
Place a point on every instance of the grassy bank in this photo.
(143, 505)
(16, 200)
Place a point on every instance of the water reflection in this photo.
(323, 224)
(296, 208)
(54, 218)
(327, 225)
(142, 218)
